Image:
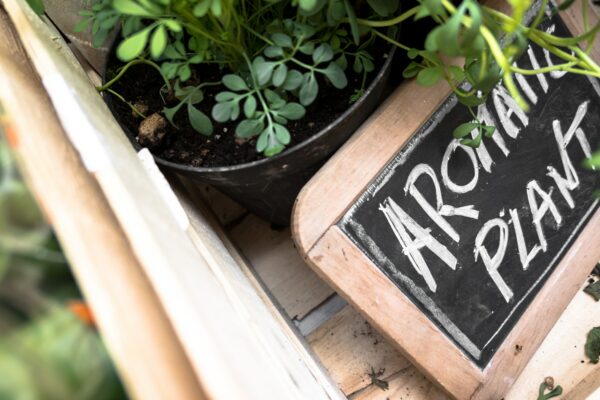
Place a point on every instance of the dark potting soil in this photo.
(183, 145)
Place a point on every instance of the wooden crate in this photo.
(196, 297)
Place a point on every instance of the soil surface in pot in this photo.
(183, 145)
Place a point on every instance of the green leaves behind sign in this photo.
(592, 345)
(593, 289)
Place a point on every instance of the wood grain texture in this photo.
(273, 255)
(285, 347)
(408, 384)
(349, 348)
(348, 270)
(153, 365)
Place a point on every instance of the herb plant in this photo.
(277, 53)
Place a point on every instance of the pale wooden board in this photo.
(153, 365)
(273, 255)
(227, 211)
(349, 347)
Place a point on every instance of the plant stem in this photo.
(126, 67)
(133, 108)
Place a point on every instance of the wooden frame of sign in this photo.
(320, 227)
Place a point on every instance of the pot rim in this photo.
(258, 163)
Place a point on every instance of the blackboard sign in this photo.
(471, 234)
(463, 257)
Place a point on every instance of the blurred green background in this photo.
(49, 346)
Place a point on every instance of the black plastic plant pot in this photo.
(269, 187)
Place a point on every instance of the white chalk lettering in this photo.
(524, 256)
(455, 144)
(506, 107)
(401, 223)
(493, 263)
(437, 213)
(539, 211)
(553, 74)
(526, 87)
(536, 65)
(570, 180)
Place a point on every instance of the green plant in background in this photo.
(276, 51)
(47, 351)
(275, 56)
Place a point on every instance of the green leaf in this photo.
(37, 6)
(234, 82)
(170, 113)
(133, 46)
(336, 75)
(293, 80)
(250, 107)
(225, 96)
(593, 162)
(249, 128)
(412, 70)
(262, 70)
(593, 289)
(458, 74)
(200, 122)
(282, 40)
(273, 51)
(465, 129)
(309, 90)
(474, 143)
(307, 48)
(354, 28)
(292, 111)
(412, 53)
(131, 7)
(384, 7)
(280, 75)
(222, 112)
(263, 140)
(173, 25)
(215, 8)
(430, 76)
(592, 345)
(158, 43)
(201, 9)
(322, 54)
(282, 134)
(81, 25)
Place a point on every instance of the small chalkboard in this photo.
(465, 257)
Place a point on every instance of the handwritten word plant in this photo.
(276, 54)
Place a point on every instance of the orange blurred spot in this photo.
(81, 310)
(11, 136)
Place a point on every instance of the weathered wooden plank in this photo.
(408, 384)
(273, 255)
(350, 348)
(153, 365)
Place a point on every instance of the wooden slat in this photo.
(273, 255)
(135, 327)
(282, 342)
(229, 360)
(408, 384)
(349, 348)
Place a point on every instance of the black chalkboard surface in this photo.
(470, 235)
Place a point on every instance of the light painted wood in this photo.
(229, 360)
(282, 343)
(349, 347)
(272, 253)
(135, 327)
(561, 354)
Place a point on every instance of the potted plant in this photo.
(253, 96)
